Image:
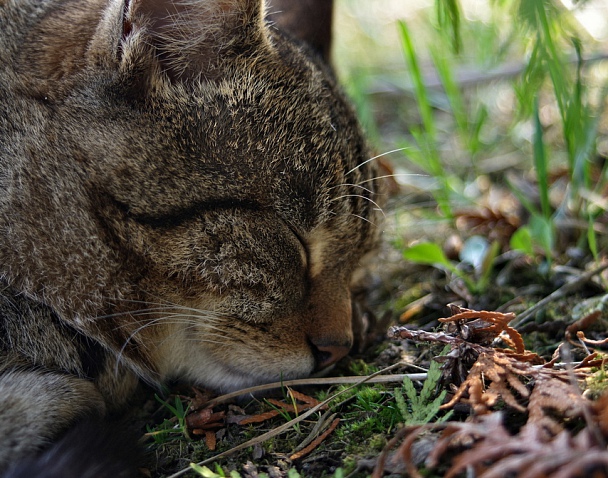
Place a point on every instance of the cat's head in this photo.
(221, 193)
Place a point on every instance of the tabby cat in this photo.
(184, 194)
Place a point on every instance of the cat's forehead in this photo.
(268, 143)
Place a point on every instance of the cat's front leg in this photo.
(38, 406)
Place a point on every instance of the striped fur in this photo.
(184, 194)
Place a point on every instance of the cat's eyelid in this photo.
(304, 249)
(180, 215)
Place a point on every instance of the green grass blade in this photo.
(592, 238)
(488, 266)
(481, 117)
(428, 159)
(358, 92)
(584, 150)
(540, 163)
(542, 230)
(532, 79)
(525, 202)
(422, 99)
(448, 18)
(173, 409)
(552, 57)
(452, 91)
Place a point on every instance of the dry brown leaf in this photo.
(315, 443)
(553, 396)
(529, 357)
(486, 327)
(309, 402)
(204, 419)
(260, 417)
(199, 418)
(526, 455)
(200, 399)
(583, 323)
(503, 373)
(412, 310)
(492, 452)
(287, 407)
(600, 411)
(210, 440)
(482, 374)
(489, 221)
(542, 448)
(313, 402)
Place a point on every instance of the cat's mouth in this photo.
(323, 372)
(327, 354)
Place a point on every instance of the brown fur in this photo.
(181, 196)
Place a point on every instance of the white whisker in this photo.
(362, 197)
(375, 157)
(394, 176)
(177, 318)
(354, 186)
(134, 313)
(199, 339)
(366, 220)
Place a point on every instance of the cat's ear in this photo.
(309, 21)
(192, 38)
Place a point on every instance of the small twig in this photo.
(584, 346)
(467, 77)
(317, 442)
(319, 427)
(286, 426)
(315, 381)
(322, 424)
(558, 294)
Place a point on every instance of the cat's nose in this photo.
(329, 354)
(328, 320)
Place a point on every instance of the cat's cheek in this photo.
(240, 369)
(229, 358)
(263, 360)
(251, 368)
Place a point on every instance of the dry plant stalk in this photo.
(486, 327)
(297, 408)
(316, 442)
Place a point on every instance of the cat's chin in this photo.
(224, 378)
(227, 356)
(232, 373)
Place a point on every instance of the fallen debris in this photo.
(559, 433)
